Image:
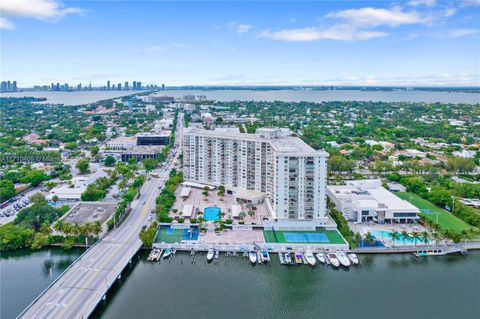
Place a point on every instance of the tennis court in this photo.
(311, 237)
(306, 238)
(167, 234)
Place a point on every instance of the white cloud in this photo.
(243, 28)
(154, 48)
(240, 28)
(373, 17)
(468, 3)
(448, 12)
(39, 9)
(338, 32)
(416, 3)
(179, 44)
(458, 33)
(5, 24)
(353, 25)
(47, 10)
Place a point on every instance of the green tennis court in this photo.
(298, 237)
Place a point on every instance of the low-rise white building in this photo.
(368, 200)
(79, 185)
(122, 143)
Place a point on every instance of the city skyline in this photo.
(411, 43)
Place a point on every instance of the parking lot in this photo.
(9, 209)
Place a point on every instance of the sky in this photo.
(408, 42)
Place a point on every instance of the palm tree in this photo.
(45, 228)
(394, 235)
(447, 234)
(466, 235)
(67, 229)
(59, 226)
(76, 230)
(425, 236)
(437, 237)
(369, 239)
(357, 238)
(415, 236)
(97, 228)
(405, 236)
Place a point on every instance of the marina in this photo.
(307, 257)
(175, 280)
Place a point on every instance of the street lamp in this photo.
(453, 203)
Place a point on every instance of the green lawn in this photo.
(445, 219)
(333, 236)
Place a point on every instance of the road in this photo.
(78, 290)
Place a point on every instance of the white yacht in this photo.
(253, 257)
(210, 254)
(310, 258)
(353, 258)
(332, 258)
(321, 257)
(343, 259)
(265, 256)
(167, 253)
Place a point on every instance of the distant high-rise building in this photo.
(139, 85)
(9, 86)
(119, 86)
(52, 87)
(163, 86)
(108, 85)
(14, 86)
(79, 87)
(126, 85)
(57, 87)
(4, 86)
(134, 85)
(90, 85)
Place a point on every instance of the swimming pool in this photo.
(211, 213)
(383, 234)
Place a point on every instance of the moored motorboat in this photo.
(332, 258)
(288, 259)
(210, 254)
(298, 258)
(167, 253)
(310, 258)
(353, 258)
(429, 252)
(343, 259)
(265, 256)
(253, 257)
(321, 257)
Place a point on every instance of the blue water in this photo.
(190, 236)
(306, 237)
(382, 234)
(377, 243)
(211, 213)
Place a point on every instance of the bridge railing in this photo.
(57, 279)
